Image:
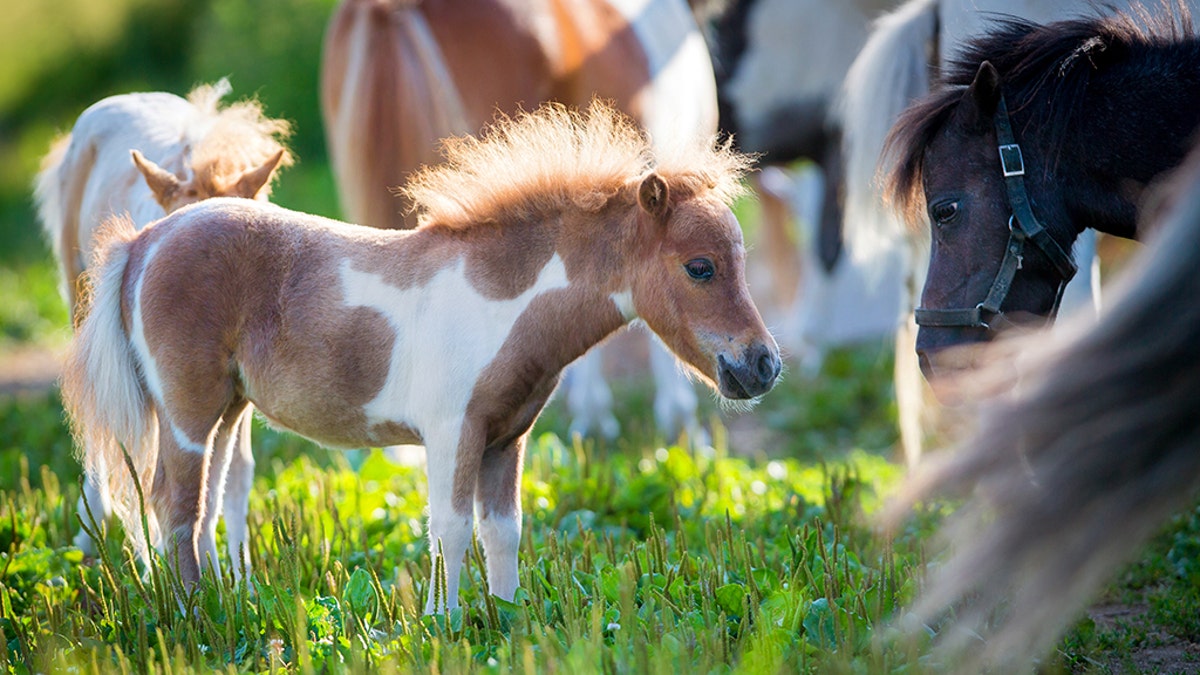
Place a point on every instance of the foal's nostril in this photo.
(767, 369)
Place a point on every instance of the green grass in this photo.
(756, 555)
(630, 560)
(636, 557)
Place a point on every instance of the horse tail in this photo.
(103, 392)
(891, 70)
(58, 192)
(387, 97)
(1091, 457)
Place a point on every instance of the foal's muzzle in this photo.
(752, 375)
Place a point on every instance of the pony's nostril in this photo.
(926, 364)
(766, 367)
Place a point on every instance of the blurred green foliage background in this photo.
(57, 58)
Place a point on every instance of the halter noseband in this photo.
(1022, 226)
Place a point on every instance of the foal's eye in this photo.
(700, 269)
(944, 212)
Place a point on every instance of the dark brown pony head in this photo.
(1075, 91)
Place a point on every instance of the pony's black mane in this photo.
(1037, 63)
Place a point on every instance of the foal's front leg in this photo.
(451, 459)
(498, 505)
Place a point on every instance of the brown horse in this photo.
(536, 242)
(185, 150)
(399, 75)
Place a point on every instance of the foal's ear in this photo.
(162, 183)
(984, 94)
(652, 195)
(254, 180)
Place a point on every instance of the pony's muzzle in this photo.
(752, 375)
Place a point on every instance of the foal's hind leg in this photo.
(188, 488)
(498, 505)
(94, 509)
(237, 497)
(178, 496)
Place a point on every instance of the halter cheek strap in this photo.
(1023, 226)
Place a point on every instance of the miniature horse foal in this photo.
(537, 242)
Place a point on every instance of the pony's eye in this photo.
(944, 212)
(700, 269)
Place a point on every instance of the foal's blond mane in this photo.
(555, 158)
(237, 137)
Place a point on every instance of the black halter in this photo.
(1022, 226)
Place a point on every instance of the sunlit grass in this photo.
(629, 561)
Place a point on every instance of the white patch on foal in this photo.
(624, 302)
(433, 369)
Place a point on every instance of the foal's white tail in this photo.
(111, 413)
(891, 70)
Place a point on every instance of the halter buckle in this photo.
(979, 310)
(1011, 160)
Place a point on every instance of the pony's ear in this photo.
(652, 195)
(254, 180)
(162, 183)
(984, 95)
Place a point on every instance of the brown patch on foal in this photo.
(512, 390)
(236, 291)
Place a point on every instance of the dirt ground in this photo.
(1158, 653)
(28, 369)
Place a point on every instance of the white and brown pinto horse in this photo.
(183, 151)
(400, 75)
(536, 242)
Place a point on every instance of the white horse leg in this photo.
(224, 445)
(910, 392)
(498, 503)
(589, 398)
(675, 400)
(811, 314)
(238, 483)
(909, 382)
(1083, 292)
(93, 500)
(449, 530)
